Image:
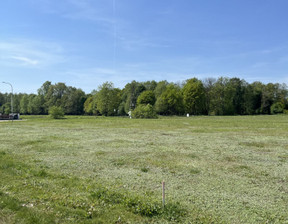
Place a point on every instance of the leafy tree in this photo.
(130, 95)
(235, 95)
(43, 90)
(208, 86)
(56, 112)
(226, 97)
(160, 88)
(42, 93)
(107, 99)
(24, 104)
(5, 108)
(144, 111)
(194, 97)
(73, 101)
(277, 108)
(88, 105)
(34, 104)
(54, 95)
(146, 97)
(252, 98)
(217, 100)
(268, 97)
(2, 99)
(150, 85)
(171, 101)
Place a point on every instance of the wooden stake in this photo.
(163, 194)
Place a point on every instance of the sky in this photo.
(85, 43)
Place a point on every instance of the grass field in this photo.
(109, 170)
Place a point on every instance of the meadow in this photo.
(217, 169)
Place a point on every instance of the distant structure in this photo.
(12, 116)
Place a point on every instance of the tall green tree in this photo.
(252, 98)
(73, 101)
(108, 99)
(208, 86)
(171, 101)
(194, 97)
(24, 104)
(146, 97)
(217, 100)
(160, 88)
(130, 95)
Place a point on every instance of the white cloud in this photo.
(25, 60)
(30, 53)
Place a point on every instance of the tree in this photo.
(160, 88)
(208, 86)
(54, 95)
(34, 104)
(171, 101)
(107, 99)
(150, 85)
(146, 97)
(56, 112)
(277, 108)
(73, 101)
(24, 104)
(130, 95)
(194, 97)
(88, 105)
(252, 97)
(269, 96)
(227, 97)
(217, 100)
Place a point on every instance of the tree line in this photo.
(222, 96)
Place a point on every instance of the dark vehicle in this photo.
(14, 116)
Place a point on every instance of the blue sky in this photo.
(84, 43)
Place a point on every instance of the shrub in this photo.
(277, 108)
(56, 112)
(144, 111)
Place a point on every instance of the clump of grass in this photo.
(231, 158)
(2, 153)
(144, 169)
(194, 171)
(253, 144)
(41, 173)
(283, 158)
(193, 156)
(119, 162)
(145, 206)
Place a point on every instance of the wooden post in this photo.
(163, 193)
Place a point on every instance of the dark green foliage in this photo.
(146, 97)
(171, 101)
(222, 96)
(277, 108)
(144, 111)
(194, 97)
(131, 93)
(107, 99)
(56, 112)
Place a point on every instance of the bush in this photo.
(144, 111)
(277, 108)
(56, 112)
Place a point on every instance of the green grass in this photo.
(110, 170)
